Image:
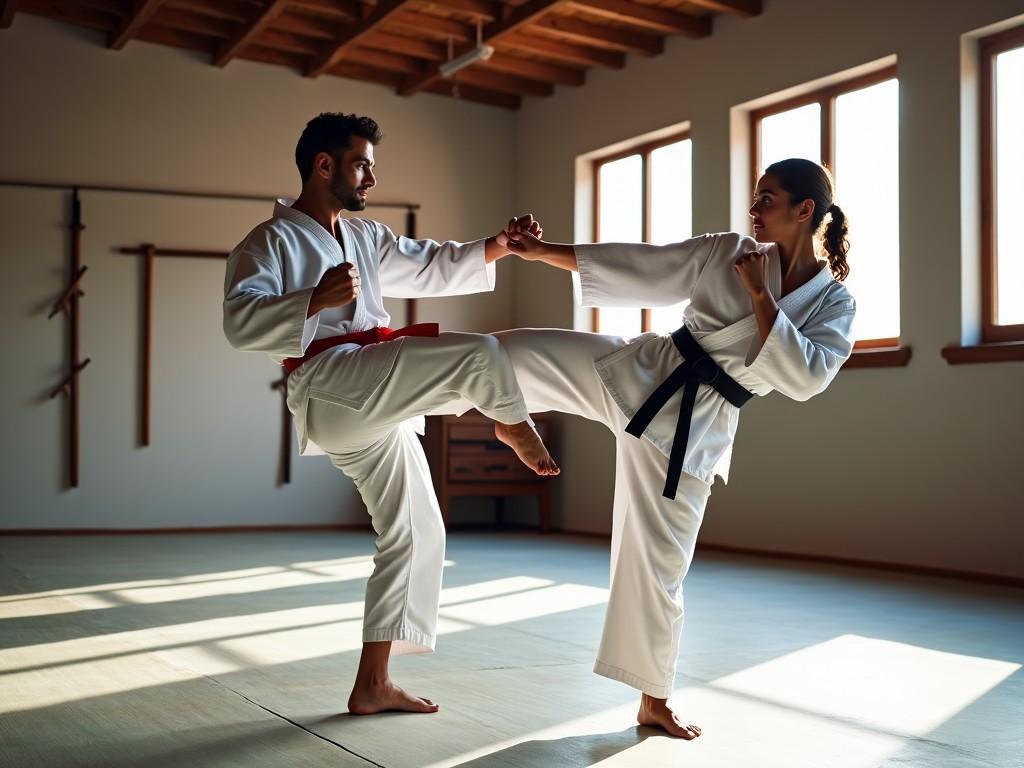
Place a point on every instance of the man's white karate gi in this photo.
(607, 378)
(358, 404)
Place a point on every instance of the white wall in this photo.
(159, 117)
(914, 465)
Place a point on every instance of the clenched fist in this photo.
(516, 227)
(753, 271)
(338, 286)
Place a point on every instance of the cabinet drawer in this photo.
(500, 466)
(482, 432)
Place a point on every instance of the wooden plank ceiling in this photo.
(400, 43)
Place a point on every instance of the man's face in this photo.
(353, 175)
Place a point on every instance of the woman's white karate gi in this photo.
(796, 351)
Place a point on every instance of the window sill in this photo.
(984, 353)
(881, 357)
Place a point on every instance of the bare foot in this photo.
(386, 697)
(657, 714)
(524, 440)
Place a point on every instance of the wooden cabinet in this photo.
(467, 460)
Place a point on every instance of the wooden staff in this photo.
(67, 304)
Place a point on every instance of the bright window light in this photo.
(671, 214)
(795, 133)
(620, 220)
(867, 189)
(1009, 171)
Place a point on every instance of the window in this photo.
(1002, 196)
(643, 196)
(853, 129)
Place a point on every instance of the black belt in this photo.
(697, 368)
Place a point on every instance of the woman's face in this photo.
(774, 219)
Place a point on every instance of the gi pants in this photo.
(379, 450)
(653, 538)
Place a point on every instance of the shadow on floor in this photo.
(569, 752)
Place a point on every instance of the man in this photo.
(307, 286)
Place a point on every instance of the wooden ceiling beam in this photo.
(599, 36)
(307, 26)
(580, 55)
(7, 10)
(353, 35)
(142, 11)
(533, 70)
(407, 46)
(233, 10)
(154, 33)
(734, 7)
(261, 21)
(189, 22)
(385, 60)
(432, 25)
(339, 9)
(79, 15)
(647, 17)
(485, 10)
(285, 41)
(527, 13)
(496, 81)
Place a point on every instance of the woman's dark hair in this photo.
(332, 132)
(806, 180)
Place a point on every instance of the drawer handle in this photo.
(496, 468)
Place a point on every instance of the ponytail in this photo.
(835, 243)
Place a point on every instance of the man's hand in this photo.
(516, 227)
(337, 287)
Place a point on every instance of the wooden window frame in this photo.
(989, 48)
(999, 343)
(644, 150)
(868, 353)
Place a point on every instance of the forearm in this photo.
(561, 255)
(765, 310)
(493, 251)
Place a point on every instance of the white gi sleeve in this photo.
(258, 314)
(636, 274)
(802, 362)
(412, 269)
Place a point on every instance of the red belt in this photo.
(362, 338)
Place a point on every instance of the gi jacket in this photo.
(270, 277)
(809, 341)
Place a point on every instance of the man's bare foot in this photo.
(387, 697)
(524, 440)
(657, 714)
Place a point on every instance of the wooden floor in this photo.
(238, 650)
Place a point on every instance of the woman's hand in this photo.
(528, 246)
(752, 268)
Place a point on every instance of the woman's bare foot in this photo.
(657, 714)
(524, 440)
(386, 697)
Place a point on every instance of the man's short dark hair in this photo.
(332, 132)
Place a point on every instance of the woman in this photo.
(765, 314)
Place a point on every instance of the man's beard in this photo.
(346, 195)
